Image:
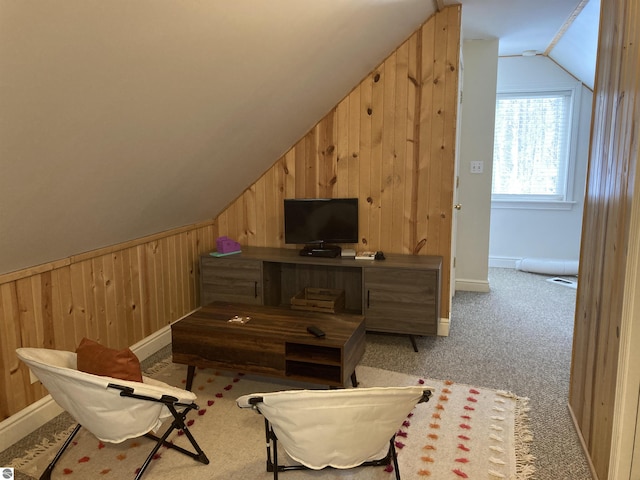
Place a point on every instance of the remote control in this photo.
(313, 330)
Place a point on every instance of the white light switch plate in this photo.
(477, 166)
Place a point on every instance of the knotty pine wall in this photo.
(390, 143)
(117, 295)
(605, 234)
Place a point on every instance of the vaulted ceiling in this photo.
(121, 119)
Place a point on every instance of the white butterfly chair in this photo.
(111, 409)
(342, 428)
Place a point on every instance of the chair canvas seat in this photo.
(98, 408)
(336, 428)
(113, 410)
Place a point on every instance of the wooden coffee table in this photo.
(274, 343)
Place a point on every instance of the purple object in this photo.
(226, 245)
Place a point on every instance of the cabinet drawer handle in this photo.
(255, 289)
(368, 297)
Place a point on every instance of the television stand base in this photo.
(327, 251)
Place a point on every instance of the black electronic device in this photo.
(379, 255)
(318, 223)
(315, 331)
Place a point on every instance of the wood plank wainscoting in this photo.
(605, 375)
(117, 295)
(390, 142)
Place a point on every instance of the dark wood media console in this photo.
(398, 295)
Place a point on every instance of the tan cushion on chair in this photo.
(107, 362)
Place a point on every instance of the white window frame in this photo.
(537, 202)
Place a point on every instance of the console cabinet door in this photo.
(235, 280)
(399, 300)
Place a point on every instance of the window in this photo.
(533, 145)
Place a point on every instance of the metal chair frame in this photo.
(179, 412)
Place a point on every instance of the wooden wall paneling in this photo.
(311, 164)
(422, 172)
(284, 183)
(79, 301)
(166, 271)
(261, 212)
(186, 268)
(231, 219)
(234, 220)
(135, 296)
(248, 226)
(100, 298)
(155, 291)
(174, 278)
(412, 160)
(118, 288)
(191, 259)
(147, 300)
(327, 157)
(222, 221)
(117, 295)
(289, 167)
(26, 298)
(353, 153)
(300, 168)
(46, 313)
(342, 149)
(451, 102)
(437, 216)
(375, 164)
(601, 289)
(448, 118)
(163, 293)
(274, 205)
(387, 183)
(182, 253)
(62, 309)
(122, 287)
(399, 153)
(13, 395)
(158, 293)
(364, 187)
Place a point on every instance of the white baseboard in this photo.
(465, 285)
(443, 327)
(503, 262)
(21, 424)
(18, 426)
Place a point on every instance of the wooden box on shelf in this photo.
(327, 300)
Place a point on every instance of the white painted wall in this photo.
(476, 144)
(518, 233)
(498, 237)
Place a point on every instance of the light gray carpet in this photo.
(517, 337)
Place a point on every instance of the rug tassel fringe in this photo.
(45, 446)
(158, 366)
(523, 439)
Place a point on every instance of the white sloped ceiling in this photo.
(121, 119)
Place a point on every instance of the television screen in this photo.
(321, 220)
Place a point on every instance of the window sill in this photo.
(532, 204)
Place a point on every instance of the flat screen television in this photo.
(318, 223)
